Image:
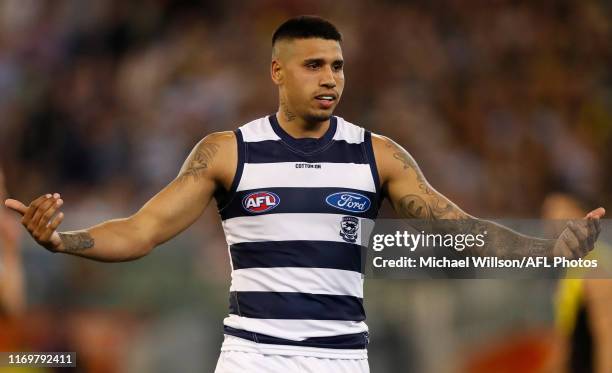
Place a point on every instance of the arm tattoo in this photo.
(540, 248)
(500, 241)
(505, 243)
(198, 161)
(405, 159)
(430, 206)
(415, 207)
(76, 241)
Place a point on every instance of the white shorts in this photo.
(250, 362)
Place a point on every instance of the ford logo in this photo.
(349, 201)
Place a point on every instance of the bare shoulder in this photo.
(225, 144)
(385, 146)
(221, 137)
(391, 158)
(214, 157)
(380, 139)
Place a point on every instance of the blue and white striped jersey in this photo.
(292, 223)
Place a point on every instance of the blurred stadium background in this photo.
(501, 103)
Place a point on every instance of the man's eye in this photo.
(312, 65)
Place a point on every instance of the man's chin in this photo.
(319, 116)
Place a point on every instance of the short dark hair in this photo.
(304, 27)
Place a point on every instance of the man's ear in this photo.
(276, 71)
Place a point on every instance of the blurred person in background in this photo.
(305, 156)
(583, 305)
(12, 291)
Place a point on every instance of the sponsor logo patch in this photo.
(258, 202)
(349, 228)
(307, 165)
(349, 201)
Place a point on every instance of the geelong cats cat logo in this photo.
(349, 227)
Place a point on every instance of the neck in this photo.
(299, 127)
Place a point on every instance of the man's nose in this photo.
(328, 80)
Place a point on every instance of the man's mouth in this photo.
(326, 98)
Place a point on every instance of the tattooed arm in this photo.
(210, 165)
(412, 197)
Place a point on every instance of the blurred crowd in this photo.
(501, 103)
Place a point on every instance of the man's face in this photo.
(310, 76)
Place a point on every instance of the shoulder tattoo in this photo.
(198, 161)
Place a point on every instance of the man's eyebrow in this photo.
(321, 61)
(314, 60)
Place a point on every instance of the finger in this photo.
(16, 205)
(52, 227)
(572, 243)
(592, 229)
(44, 219)
(563, 249)
(580, 232)
(597, 213)
(32, 209)
(43, 210)
(40, 210)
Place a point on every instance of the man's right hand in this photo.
(38, 218)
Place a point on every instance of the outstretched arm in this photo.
(209, 166)
(412, 197)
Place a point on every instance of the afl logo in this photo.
(259, 202)
(349, 201)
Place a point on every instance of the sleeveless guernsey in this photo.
(292, 223)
